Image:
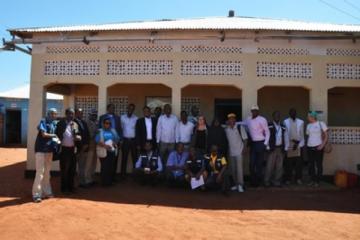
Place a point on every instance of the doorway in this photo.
(13, 127)
(225, 106)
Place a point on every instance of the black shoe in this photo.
(83, 186)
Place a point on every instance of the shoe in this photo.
(83, 186)
(299, 182)
(234, 188)
(287, 183)
(316, 185)
(37, 199)
(240, 189)
(310, 184)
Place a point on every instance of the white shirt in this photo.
(236, 144)
(278, 134)
(300, 132)
(128, 125)
(184, 132)
(166, 129)
(148, 125)
(258, 129)
(68, 138)
(314, 131)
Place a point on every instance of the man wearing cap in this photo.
(237, 141)
(259, 134)
(91, 160)
(68, 132)
(83, 148)
(294, 142)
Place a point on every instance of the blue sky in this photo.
(15, 66)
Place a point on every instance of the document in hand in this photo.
(197, 183)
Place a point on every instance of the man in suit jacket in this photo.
(69, 134)
(294, 142)
(116, 124)
(145, 130)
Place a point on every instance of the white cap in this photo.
(254, 107)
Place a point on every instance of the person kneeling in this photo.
(216, 167)
(195, 172)
(175, 167)
(148, 166)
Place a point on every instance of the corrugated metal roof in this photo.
(24, 92)
(214, 23)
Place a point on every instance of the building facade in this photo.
(217, 64)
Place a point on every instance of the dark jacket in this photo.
(61, 127)
(272, 140)
(42, 144)
(84, 131)
(217, 136)
(117, 123)
(140, 132)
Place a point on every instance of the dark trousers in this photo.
(257, 154)
(315, 163)
(67, 168)
(107, 168)
(145, 179)
(212, 184)
(129, 145)
(291, 165)
(172, 181)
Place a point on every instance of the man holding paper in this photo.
(195, 170)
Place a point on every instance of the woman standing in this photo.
(199, 138)
(107, 140)
(317, 138)
(45, 144)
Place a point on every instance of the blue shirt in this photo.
(42, 144)
(176, 159)
(108, 134)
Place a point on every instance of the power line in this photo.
(340, 10)
(352, 5)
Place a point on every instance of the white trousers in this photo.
(41, 186)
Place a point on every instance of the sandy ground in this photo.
(129, 211)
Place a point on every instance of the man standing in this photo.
(193, 118)
(115, 124)
(91, 160)
(237, 140)
(294, 142)
(46, 142)
(145, 130)
(274, 163)
(83, 148)
(184, 130)
(68, 132)
(165, 133)
(259, 134)
(128, 122)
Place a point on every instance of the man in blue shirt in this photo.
(175, 167)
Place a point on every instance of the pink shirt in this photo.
(258, 129)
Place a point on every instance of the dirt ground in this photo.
(129, 211)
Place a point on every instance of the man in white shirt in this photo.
(294, 142)
(237, 140)
(166, 133)
(184, 130)
(274, 161)
(259, 133)
(128, 122)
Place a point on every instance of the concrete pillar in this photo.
(36, 111)
(102, 99)
(319, 101)
(176, 99)
(249, 98)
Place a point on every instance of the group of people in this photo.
(180, 152)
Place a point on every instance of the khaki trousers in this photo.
(236, 169)
(41, 186)
(274, 167)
